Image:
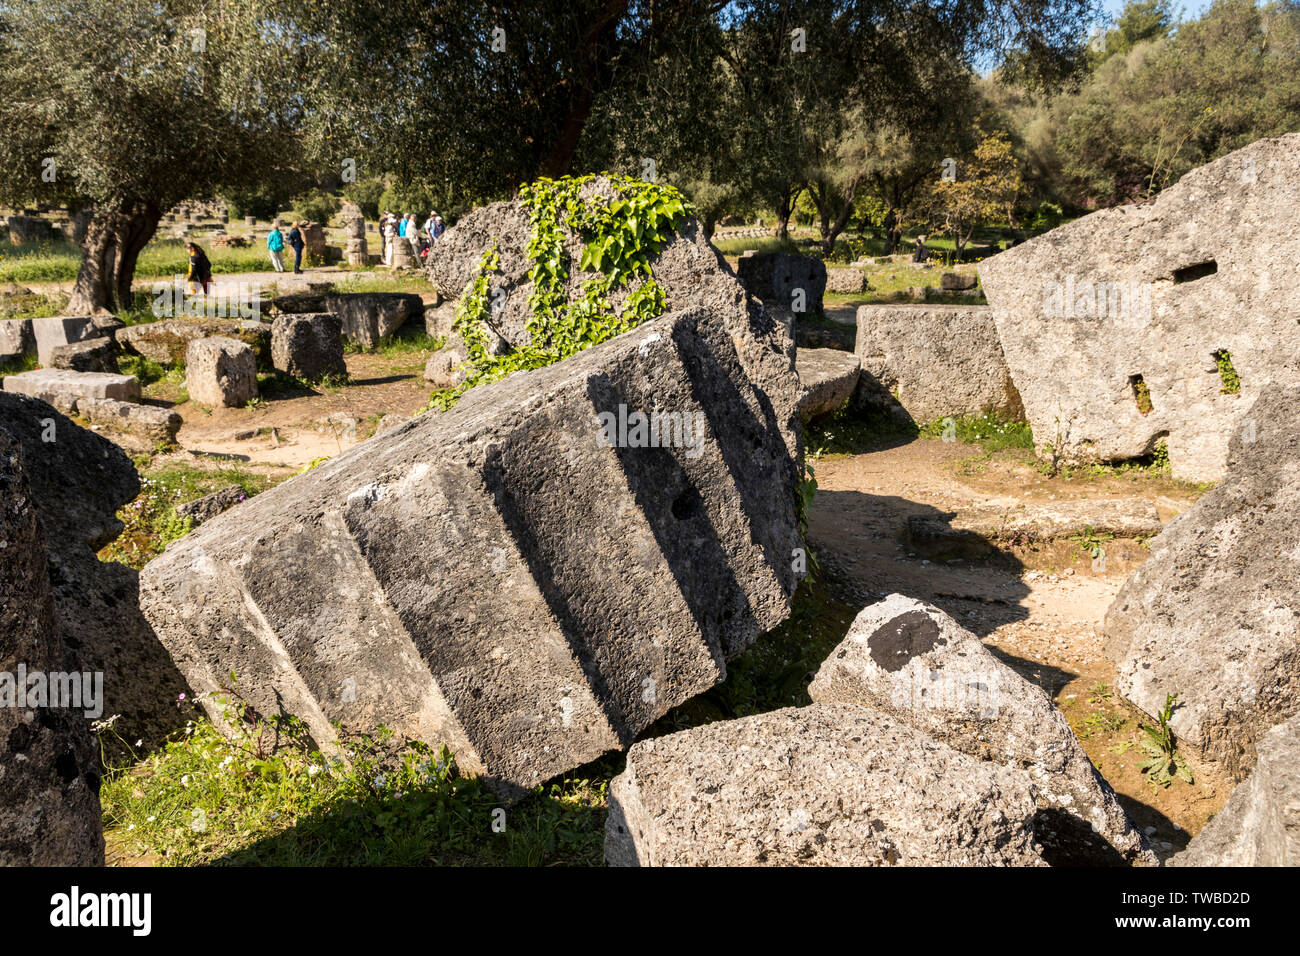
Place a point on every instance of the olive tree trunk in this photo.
(112, 244)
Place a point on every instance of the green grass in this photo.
(206, 798)
(17, 364)
(150, 519)
(734, 247)
(163, 258)
(990, 431)
(379, 282)
(853, 431)
(211, 799)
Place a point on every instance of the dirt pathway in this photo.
(1038, 608)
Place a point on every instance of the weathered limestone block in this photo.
(939, 360)
(309, 346)
(979, 530)
(152, 422)
(368, 317)
(827, 378)
(79, 480)
(1260, 824)
(443, 370)
(60, 330)
(91, 355)
(28, 229)
(847, 281)
(787, 279)
(209, 506)
(220, 372)
(1214, 614)
(688, 269)
(914, 662)
(167, 341)
(16, 339)
(1115, 326)
(49, 778)
(470, 578)
(57, 382)
(958, 281)
(815, 786)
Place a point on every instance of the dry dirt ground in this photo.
(1038, 608)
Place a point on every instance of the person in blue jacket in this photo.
(274, 246)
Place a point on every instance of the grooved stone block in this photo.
(64, 383)
(495, 578)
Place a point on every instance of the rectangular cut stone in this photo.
(1161, 322)
(45, 383)
(60, 330)
(525, 593)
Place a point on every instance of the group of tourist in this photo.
(276, 241)
(421, 238)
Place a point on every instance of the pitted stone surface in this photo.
(1140, 298)
(1213, 615)
(470, 578)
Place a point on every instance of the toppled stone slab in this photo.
(827, 378)
(168, 340)
(935, 361)
(1213, 615)
(815, 786)
(367, 317)
(308, 346)
(209, 506)
(151, 422)
(60, 330)
(430, 579)
(788, 279)
(49, 779)
(91, 355)
(849, 281)
(977, 530)
(220, 372)
(55, 382)
(16, 339)
(912, 661)
(79, 480)
(1260, 823)
(1114, 324)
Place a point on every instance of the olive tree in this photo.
(122, 108)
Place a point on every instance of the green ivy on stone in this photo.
(621, 238)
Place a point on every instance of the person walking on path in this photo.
(296, 241)
(275, 246)
(200, 274)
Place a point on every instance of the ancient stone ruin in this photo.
(1213, 616)
(920, 748)
(49, 774)
(427, 580)
(1158, 323)
(933, 361)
